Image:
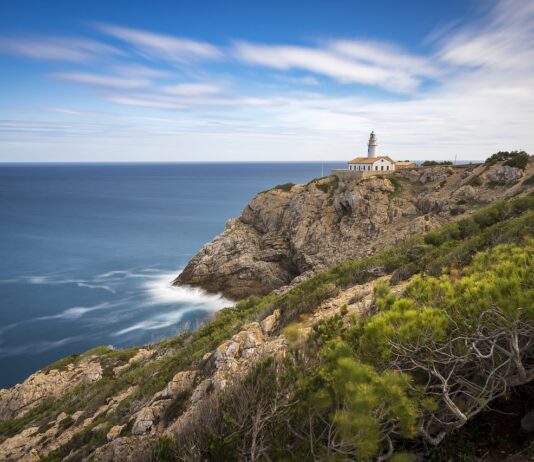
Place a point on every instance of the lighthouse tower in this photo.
(371, 147)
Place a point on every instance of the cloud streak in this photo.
(58, 49)
(161, 46)
(473, 90)
(348, 62)
(102, 80)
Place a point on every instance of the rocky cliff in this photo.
(130, 405)
(287, 234)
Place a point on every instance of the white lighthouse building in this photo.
(373, 162)
(372, 145)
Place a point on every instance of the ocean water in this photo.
(88, 251)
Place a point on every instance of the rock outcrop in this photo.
(285, 235)
(23, 397)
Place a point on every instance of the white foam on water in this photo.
(97, 286)
(76, 312)
(160, 291)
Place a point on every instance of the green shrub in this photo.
(177, 406)
(432, 163)
(285, 187)
(518, 159)
(474, 181)
(165, 450)
(329, 186)
(529, 181)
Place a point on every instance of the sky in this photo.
(277, 80)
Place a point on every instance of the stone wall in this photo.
(344, 174)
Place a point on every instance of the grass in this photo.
(327, 185)
(102, 352)
(395, 181)
(38, 414)
(529, 181)
(474, 181)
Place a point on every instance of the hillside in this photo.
(291, 232)
(382, 356)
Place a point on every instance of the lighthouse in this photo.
(371, 147)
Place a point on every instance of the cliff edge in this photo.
(291, 232)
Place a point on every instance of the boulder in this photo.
(505, 175)
(181, 382)
(114, 432)
(270, 322)
(144, 421)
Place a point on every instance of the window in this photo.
(387, 168)
(381, 167)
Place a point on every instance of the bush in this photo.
(285, 187)
(518, 159)
(432, 163)
(328, 187)
(529, 181)
(474, 181)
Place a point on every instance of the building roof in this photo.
(370, 160)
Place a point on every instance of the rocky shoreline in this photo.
(291, 232)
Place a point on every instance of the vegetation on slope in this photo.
(309, 389)
(433, 163)
(417, 367)
(518, 159)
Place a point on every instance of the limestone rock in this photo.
(92, 373)
(435, 174)
(144, 421)
(24, 396)
(270, 322)
(285, 237)
(505, 175)
(181, 382)
(114, 432)
(201, 391)
(124, 449)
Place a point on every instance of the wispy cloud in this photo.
(140, 71)
(102, 80)
(160, 46)
(58, 49)
(505, 42)
(192, 89)
(307, 80)
(342, 62)
(471, 93)
(385, 55)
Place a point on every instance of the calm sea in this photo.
(88, 251)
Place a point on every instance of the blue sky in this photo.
(276, 80)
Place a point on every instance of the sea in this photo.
(88, 251)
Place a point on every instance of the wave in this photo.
(76, 311)
(160, 291)
(127, 274)
(31, 348)
(52, 280)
